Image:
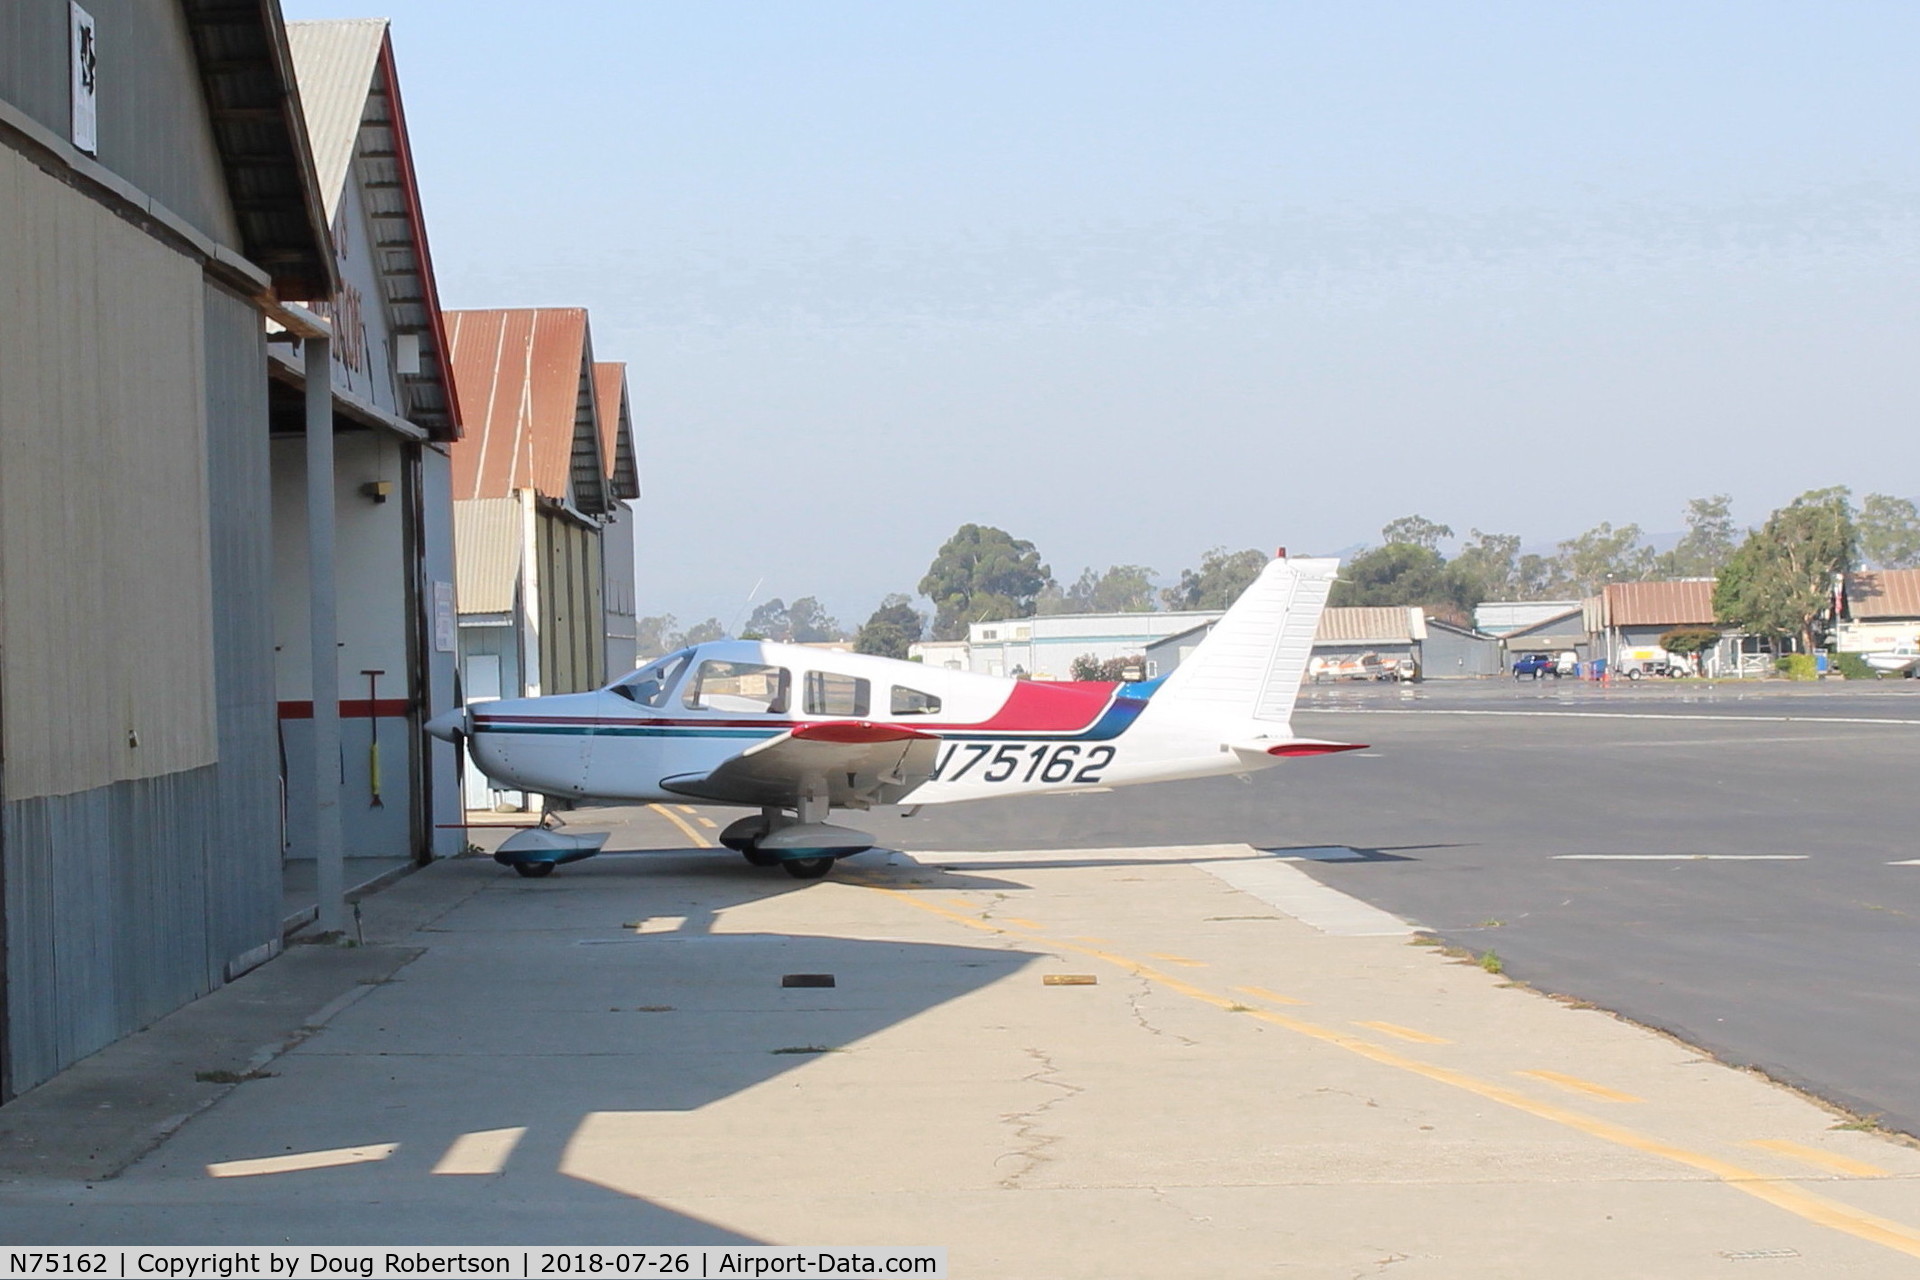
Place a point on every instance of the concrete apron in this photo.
(1257, 1080)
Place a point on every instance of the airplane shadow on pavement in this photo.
(640, 983)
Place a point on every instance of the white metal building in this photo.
(1044, 648)
(1498, 617)
(395, 417)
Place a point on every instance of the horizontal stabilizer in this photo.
(1288, 748)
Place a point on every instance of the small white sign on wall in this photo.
(86, 80)
(446, 623)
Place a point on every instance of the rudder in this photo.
(1251, 664)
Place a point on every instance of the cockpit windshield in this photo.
(651, 684)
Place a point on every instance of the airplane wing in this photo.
(853, 764)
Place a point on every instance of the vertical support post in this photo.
(324, 638)
(532, 673)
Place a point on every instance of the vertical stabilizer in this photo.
(1251, 664)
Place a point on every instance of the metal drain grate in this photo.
(1756, 1255)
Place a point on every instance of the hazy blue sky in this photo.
(1134, 280)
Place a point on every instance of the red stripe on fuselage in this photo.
(1033, 706)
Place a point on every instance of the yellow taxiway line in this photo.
(1804, 1204)
(699, 841)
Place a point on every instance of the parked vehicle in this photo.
(1536, 665)
(1365, 666)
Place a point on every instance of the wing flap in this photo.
(854, 764)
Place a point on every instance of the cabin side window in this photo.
(652, 684)
(912, 702)
(742, 688)
(831, 694)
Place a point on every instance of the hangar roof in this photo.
(359, 133)
(1659, 604)
(525, 380)
(1394, 624)
(616, 427)
(246, 72)
(1884, 593)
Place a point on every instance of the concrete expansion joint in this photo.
(1026, 1124)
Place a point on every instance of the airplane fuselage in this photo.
(996, 736)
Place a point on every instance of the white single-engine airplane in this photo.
(796, 732)
(1901, 660)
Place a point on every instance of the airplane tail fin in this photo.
(1250, 665)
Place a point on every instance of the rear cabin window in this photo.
(743, 688)
(829, 694)
(652, 684)
(912, 702)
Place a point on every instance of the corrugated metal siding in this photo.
(107, 605)
(105, 914)
(126, 901)
(486, 539)
(243, 900)
(1889, 593)
(573, 622)
(153, 123)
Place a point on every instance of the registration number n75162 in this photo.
(1022, 762)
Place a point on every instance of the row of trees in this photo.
(1770, 578)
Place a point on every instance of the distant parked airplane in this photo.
(1901, 660)
(796, 732)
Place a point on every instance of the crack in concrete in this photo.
(1026, 1123)
(1142, 990)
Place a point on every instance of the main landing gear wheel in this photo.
(757, 857)
(807, 868)
(534, 870)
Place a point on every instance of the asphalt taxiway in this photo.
(1738, 864)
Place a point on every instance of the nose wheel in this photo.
(807, 868)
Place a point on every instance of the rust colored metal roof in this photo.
(525, 382)
(1886, 593)
(616, 428)
(1660, 604)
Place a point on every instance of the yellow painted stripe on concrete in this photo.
(300, 1160)
(1170, 958)
(1261, 993)
(1574, 1084)
(1024, 924)
(686, 808)
(481, 1152)
(1403, 1033)
(699, 841)
(1808, 1205)
(708, 823)
(1831, 1160)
